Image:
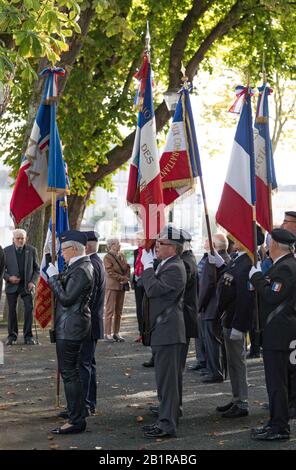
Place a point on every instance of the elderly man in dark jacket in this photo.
(96, 305)
(209, 311)
(164, 289)
(236, 302)
(20, 274)
(277, 296)
(72, 292)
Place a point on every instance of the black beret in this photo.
(92, 236)
(281, 235)
(172, 233)
(73, 236)
(260, 236)
(291, 214)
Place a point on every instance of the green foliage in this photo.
(33, 29)
(96, 109)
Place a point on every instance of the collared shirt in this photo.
(162, 263)
(75, 258)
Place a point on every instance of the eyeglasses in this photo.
(164, 243)
(66, 247)
(285, 221)
(19, 238)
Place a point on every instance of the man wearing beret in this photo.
(289, 223)
(96, 305)
(164, 289)
(72, 290)
(236, 303)
(277, 295)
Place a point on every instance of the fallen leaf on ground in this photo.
(54, 446)
(140, 419)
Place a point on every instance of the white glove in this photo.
(235, 335)
(216, 259)
(255, 269)
(147, 259)
(51, 270)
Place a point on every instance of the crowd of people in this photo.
(220, 302)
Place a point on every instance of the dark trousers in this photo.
(168, 374)
(277, 366)
(254, 340)
(200, 349)
(12, 315)
(68, 353)
(212, 347)
(184, 352)
(139, 294)
(87, 371)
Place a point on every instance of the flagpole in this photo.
(269, 183)
(53, 260)
(203, 192)
(254, 222)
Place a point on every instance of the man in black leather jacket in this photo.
(72, 290)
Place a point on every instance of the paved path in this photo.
(126, 389)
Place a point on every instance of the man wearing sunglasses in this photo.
(164, 289)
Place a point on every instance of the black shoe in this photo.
(157, 433)
(196, 367)
(149, 427)
(10, 341)
(154, 410)
(30, 341)
(73, 429)
(149, 363)
(227, 407)
(270, 435)
(212, 380)
(63, 414)
(235, 412)
(260, 430)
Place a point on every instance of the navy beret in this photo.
(281, 235)
(291, 214)
(92, 236)
(73, 236)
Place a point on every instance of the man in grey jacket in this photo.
(164, 289)
(21, 273)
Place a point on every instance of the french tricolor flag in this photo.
(265, 172)
(236, 209)
(144, 190)
(42, 168)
